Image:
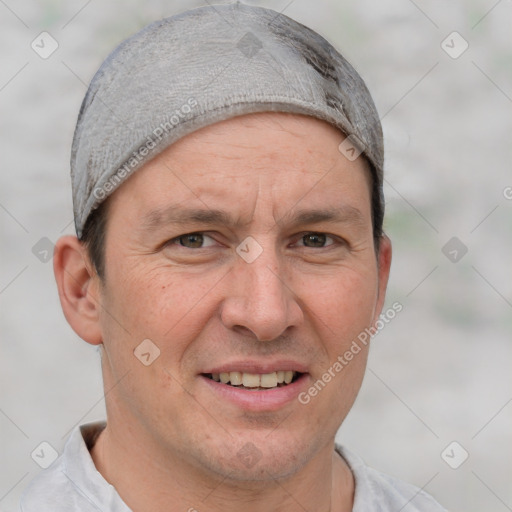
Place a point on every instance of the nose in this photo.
(259, 298)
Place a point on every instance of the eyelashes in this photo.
(311, 239)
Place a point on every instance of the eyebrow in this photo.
(180, 216)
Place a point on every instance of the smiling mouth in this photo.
(255, 381)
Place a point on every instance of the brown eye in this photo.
(315, 240)
(192, 240)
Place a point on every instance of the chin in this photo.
(257, 457)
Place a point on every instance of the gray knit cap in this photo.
(203, 66)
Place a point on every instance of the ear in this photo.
(384, 266)
(78, 286)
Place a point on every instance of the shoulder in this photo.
(376, 491)
(65, 485)
(52, 491)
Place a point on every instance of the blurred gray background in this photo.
(439, 372)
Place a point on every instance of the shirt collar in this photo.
(79, 468)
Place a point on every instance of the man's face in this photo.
(212, 303)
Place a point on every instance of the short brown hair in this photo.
(94, 236)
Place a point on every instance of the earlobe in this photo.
(78, 287)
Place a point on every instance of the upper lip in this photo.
(260, 367)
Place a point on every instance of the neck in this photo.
(149, 481)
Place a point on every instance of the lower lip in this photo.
(258, 400)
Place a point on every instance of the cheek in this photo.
(158, 304)
(342, 305)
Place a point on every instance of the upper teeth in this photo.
(254, 380)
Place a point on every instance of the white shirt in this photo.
(73, 484)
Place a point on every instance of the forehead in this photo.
(273, 159)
